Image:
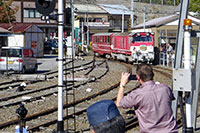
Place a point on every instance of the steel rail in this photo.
(42, 89)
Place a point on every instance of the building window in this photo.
(37, 14)
(26, 14)
(31, 13)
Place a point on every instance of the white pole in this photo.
(72, 18)
(123, 22)
(187, 50)
(132, 13)
(88, 36)
(60, 124)
(82, 35)
(187, 65)
(144, 18)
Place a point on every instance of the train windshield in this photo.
(142, 39)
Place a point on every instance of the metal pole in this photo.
(60, 124)
(82, 35)
(179, 48)
(72, 15)
(167, 54)
(132, 13)
(123, 22)
(88, 38)
(144, 18)
(187, 65)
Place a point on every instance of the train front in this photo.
(142, 47)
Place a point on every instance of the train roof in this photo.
(122, 34)
(102, 34)
(133, 33)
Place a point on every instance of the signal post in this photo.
(186, 80)
(46, 7)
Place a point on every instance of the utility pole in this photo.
(122, 22)
(22, 11)
(132, 13)
(88, 38)
(72, 18)
(60, 123)
(82, 30)
(144, 18)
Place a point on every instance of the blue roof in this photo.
(115, 9)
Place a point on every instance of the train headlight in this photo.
(132, 48)
(138, 34)
(112, 46)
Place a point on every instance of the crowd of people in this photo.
(151, 102)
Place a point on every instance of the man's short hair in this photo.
(104, 116)
(115, 125)
(145, 72)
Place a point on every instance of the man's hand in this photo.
(124, 81)
(124, 78)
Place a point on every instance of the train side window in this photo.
(115, 43)
(108, 39)
(98, 39)
(124, 42)
(103, 40)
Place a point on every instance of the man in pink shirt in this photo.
(152, 102)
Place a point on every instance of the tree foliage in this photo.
(7, 14)
(195, 5)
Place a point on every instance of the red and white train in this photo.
(131, 47)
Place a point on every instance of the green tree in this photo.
(7, 14)
(195, 5)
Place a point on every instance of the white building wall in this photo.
(16, 40)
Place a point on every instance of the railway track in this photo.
(47, 91)
(54, 108)
(131, 121)
(49, 75)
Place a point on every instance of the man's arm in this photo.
(124, 81)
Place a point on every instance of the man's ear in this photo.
(92, 130)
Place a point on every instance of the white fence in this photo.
(168, 59)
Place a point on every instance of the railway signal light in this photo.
(45, 7)
(85, 28)
(68, 20)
